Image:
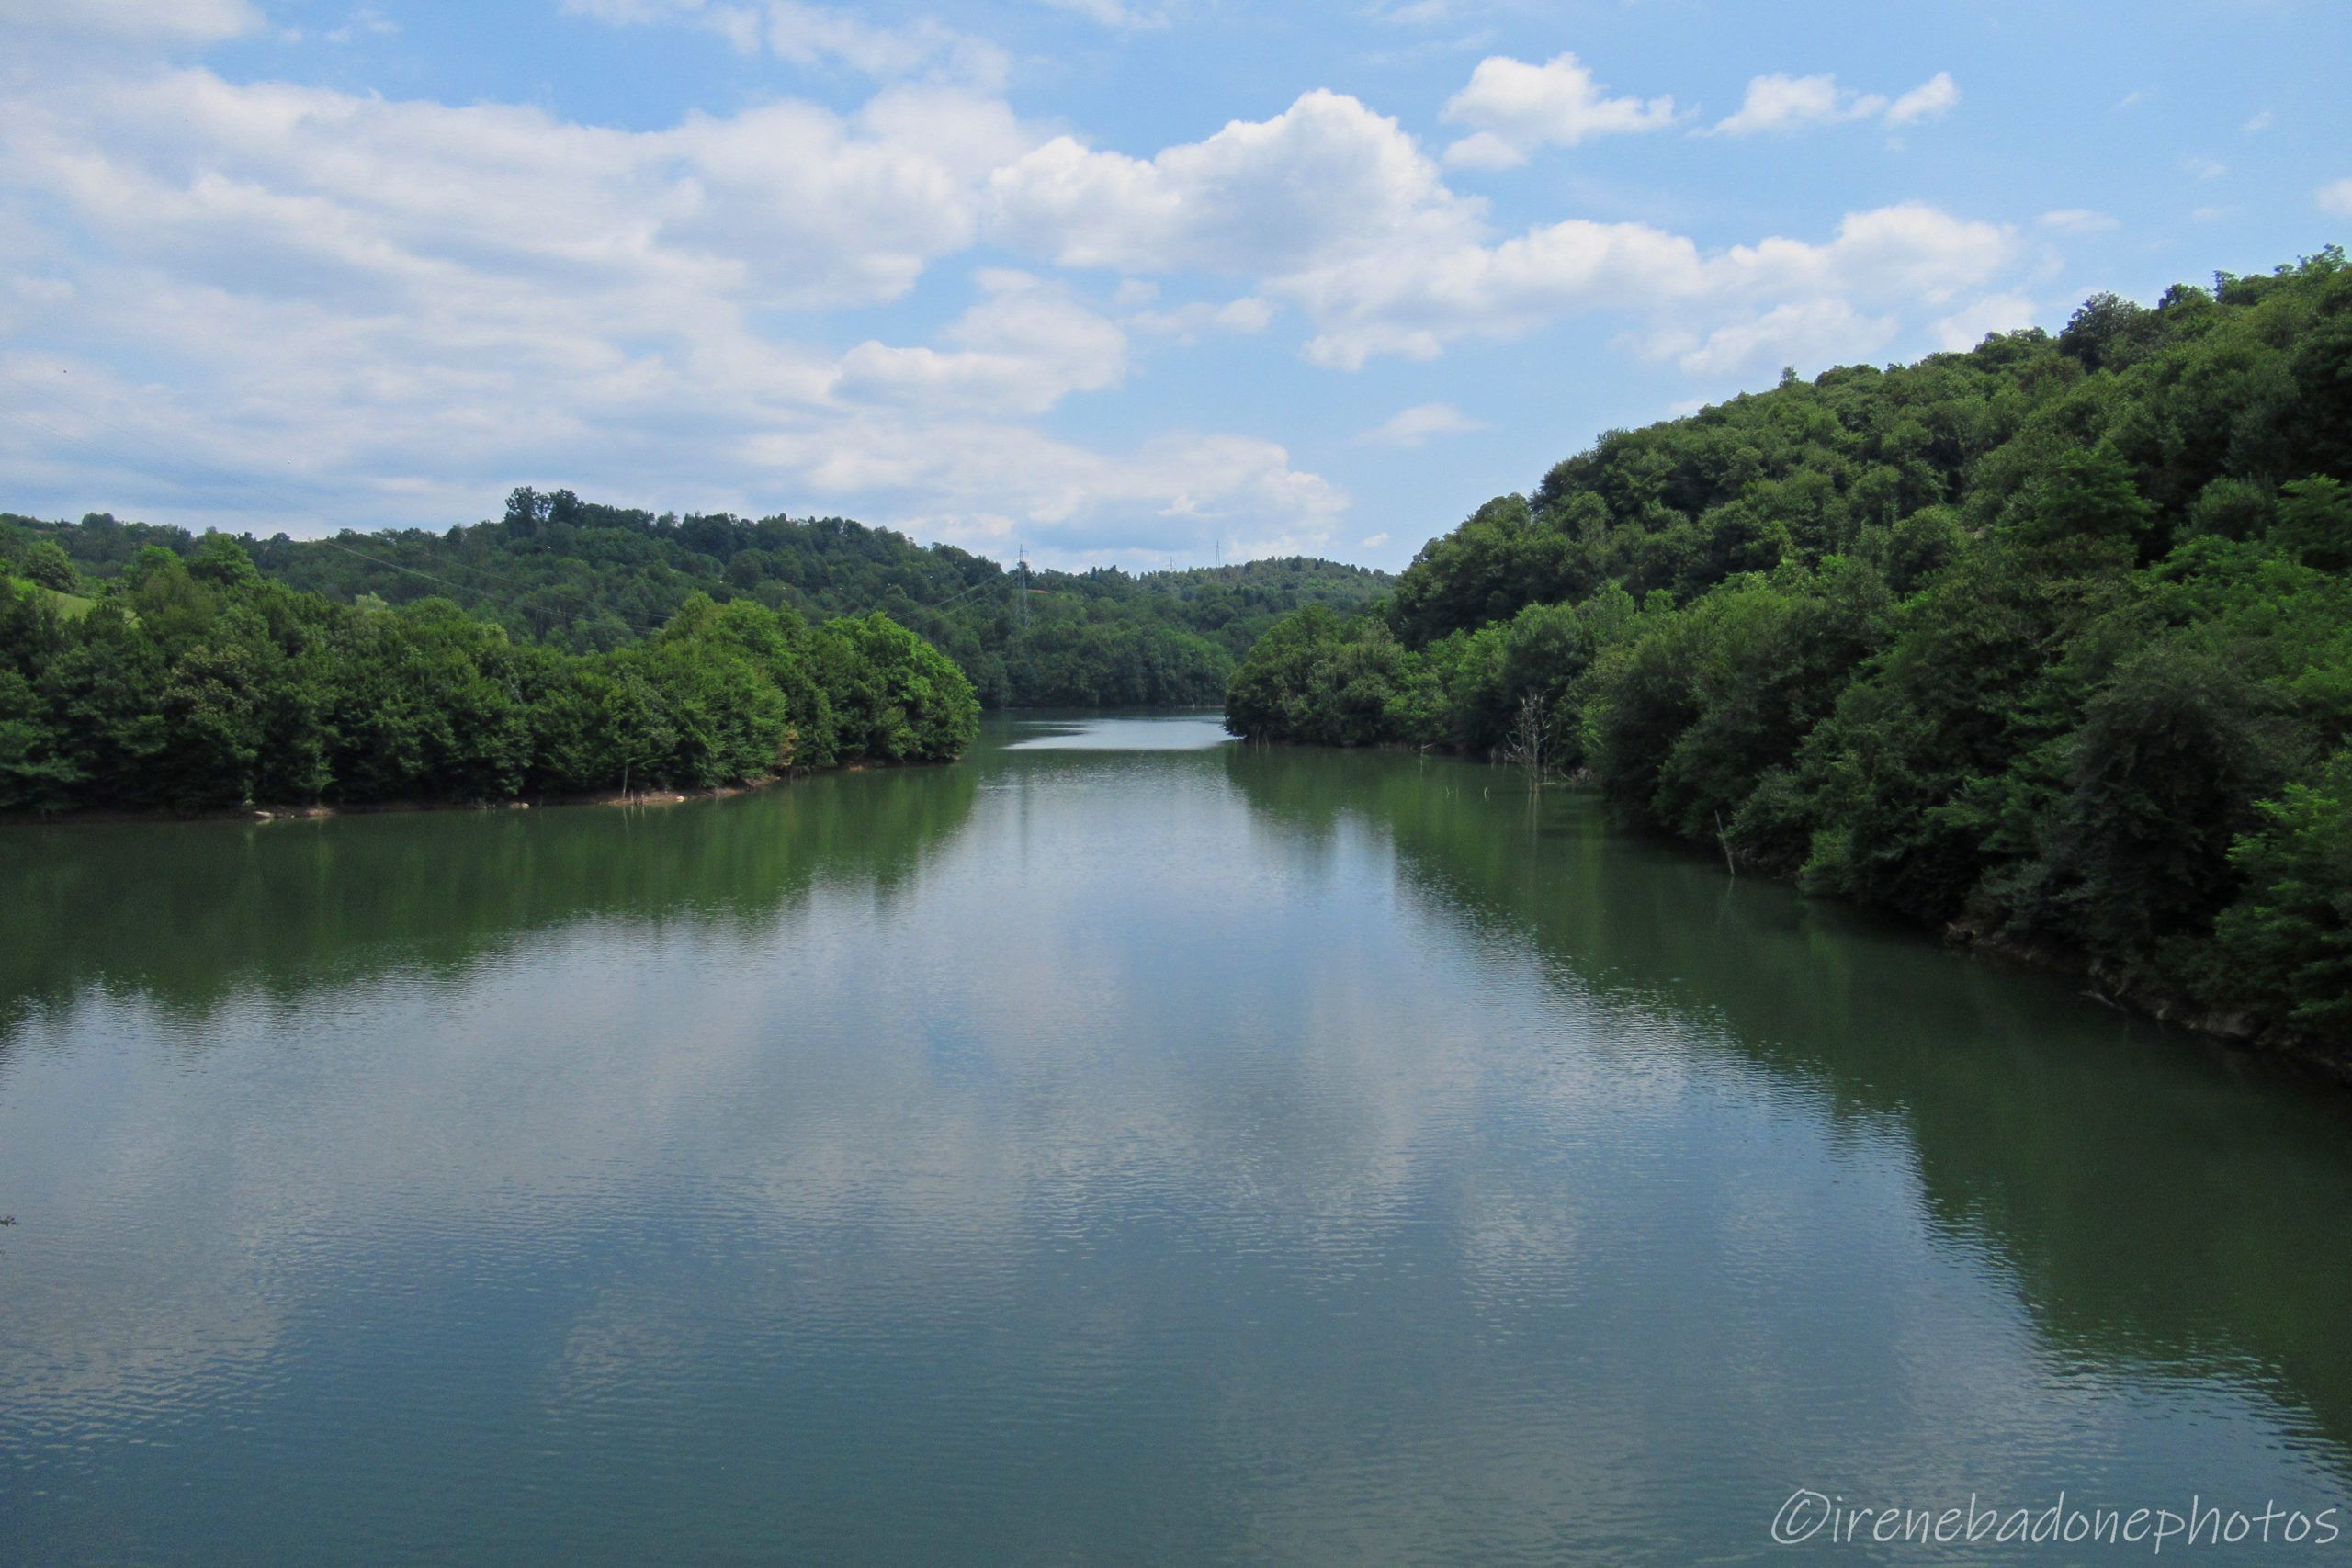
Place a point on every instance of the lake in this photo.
(1122, 1145)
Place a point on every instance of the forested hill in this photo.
(585, 577)
(2051, 640)
(196, 683)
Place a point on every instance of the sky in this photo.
(1139, 282)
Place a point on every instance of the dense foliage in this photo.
(196, 682)
(589, 578)
(2050, 639)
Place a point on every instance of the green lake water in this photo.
(1120, 1147)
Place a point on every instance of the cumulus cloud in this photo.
(320, 193)
(1112, 12)
(1515, 107)
(1929, 99)
(2076, 221)
(1412, 426)
(1186, 322)
(1258, 196)
(165, 22)
(394, 309)
(818, 35)
(1414, 305)
(1778, 103)
(1070, 499)
(1995, 313)
(1810, 333)
(1022, 349)
(2336, 196)
(1335, 209)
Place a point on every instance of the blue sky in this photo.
(1110, 281)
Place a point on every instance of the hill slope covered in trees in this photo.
(586, 578)
(194, 683)
(2050, 641)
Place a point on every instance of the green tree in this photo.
(48, 565)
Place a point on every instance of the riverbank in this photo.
(279, 812)
(2111, 982)
(2118, 985)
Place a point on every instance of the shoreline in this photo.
(2112, 982)
(318, 810)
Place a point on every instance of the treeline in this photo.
(2051, 640)
(196, 682)
(591, 578)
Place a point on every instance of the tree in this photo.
(48, 564)
(2287, 943)
(1529, 743)
(2042, 638)
(2314, 523)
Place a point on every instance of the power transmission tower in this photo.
(1021, 593)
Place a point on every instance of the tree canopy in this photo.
(591, 578)
(2051, 638)
(195, 681)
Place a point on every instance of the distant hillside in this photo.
(586, 577)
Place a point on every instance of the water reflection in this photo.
(1201, 1155)
(2158, 1200)
(1040, 729)
(188, 915)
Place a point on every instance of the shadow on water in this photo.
(2158, 1202)
(189, 916)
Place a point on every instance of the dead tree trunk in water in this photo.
(1529, 743)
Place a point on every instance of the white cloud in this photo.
(1335, 209)
(1812, 333)
(1020, 351)
(2261, 121)
(818, 35)
(1929, 99)
(399, 308)
(1778, 103)
(1783, 103)
(395, 310)
(2075, 220)
(1412, 426)
(2204, 168)
(1159, 495)
(1186, 322)
(2336, 196)
(1413, 305)
(1965, 329)
(417, 205)
(1516, 107)
(1258, 196)
(1373, 541)
(151, 21)
(1112, 13)
(365, 21)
